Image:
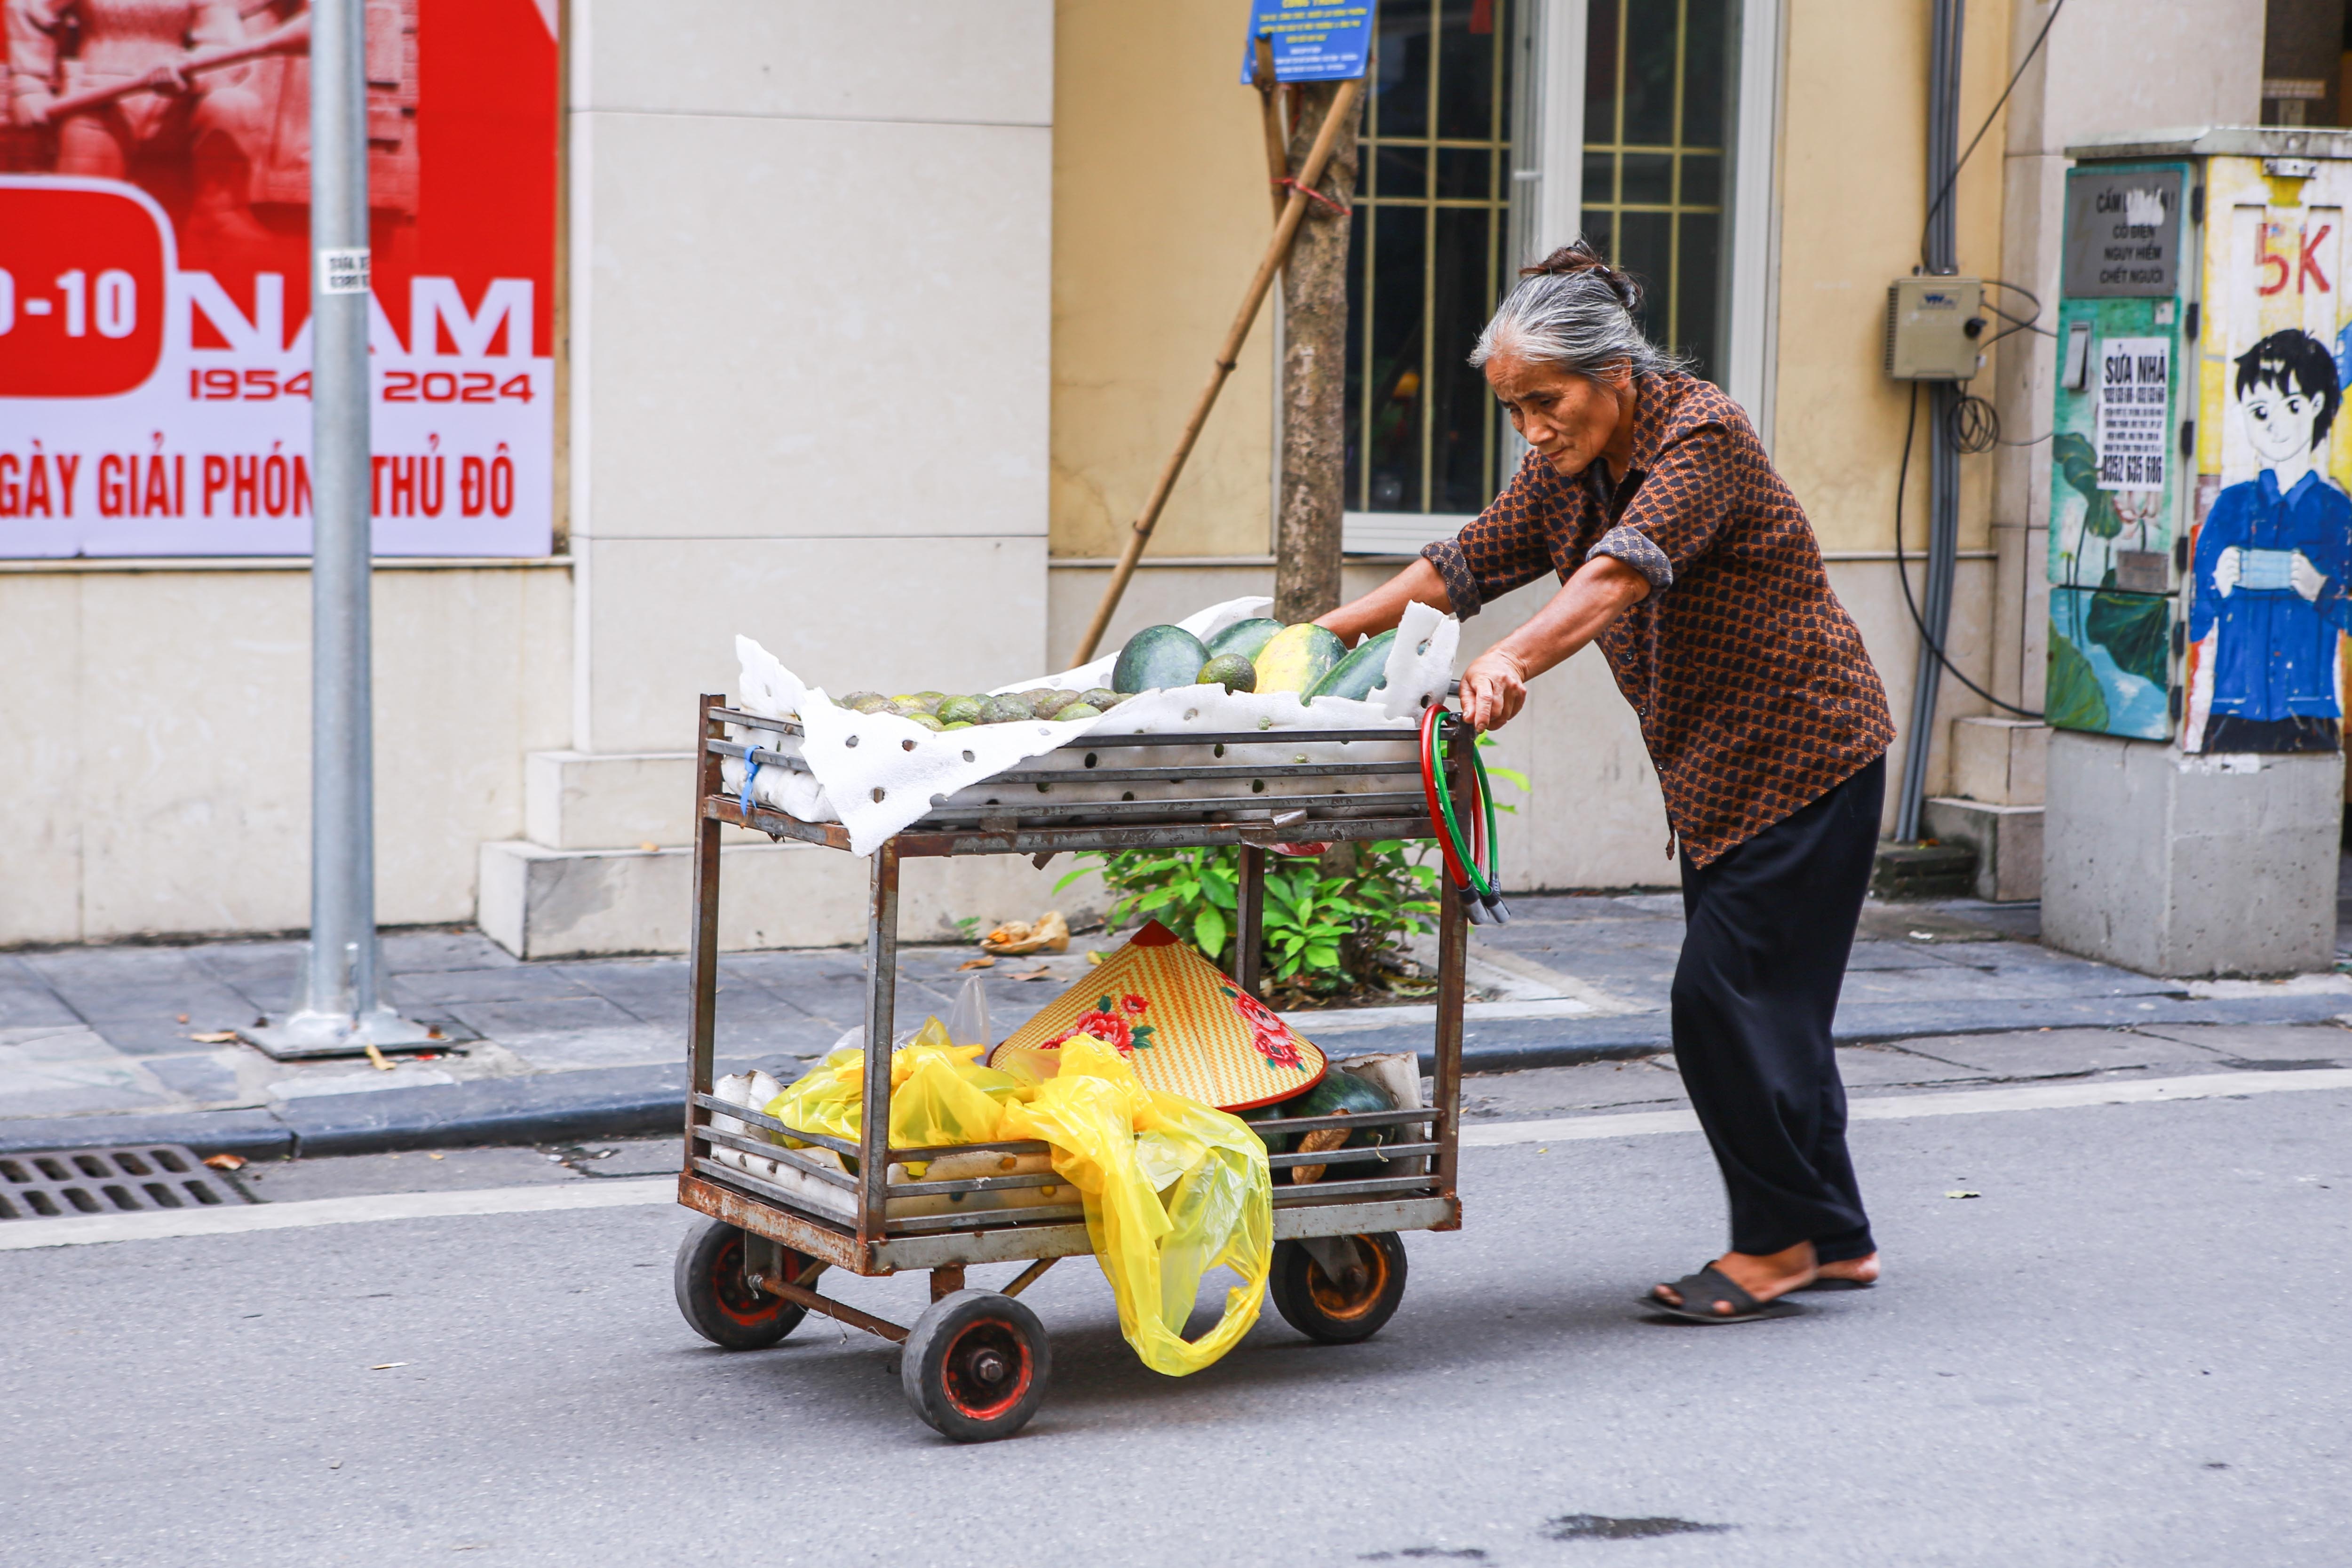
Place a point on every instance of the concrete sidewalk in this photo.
(96, 1046)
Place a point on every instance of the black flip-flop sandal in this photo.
(1834, 1283)
(1701, 1292)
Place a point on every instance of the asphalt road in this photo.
(2131, 1349)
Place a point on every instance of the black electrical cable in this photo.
(1972, 426)
(1902, 570)
(1949, 180)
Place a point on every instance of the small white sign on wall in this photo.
(2134, 376)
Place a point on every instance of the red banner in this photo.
(155, 276)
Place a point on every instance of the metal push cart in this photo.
(975, 1364)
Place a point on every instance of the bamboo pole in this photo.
(1278, 143)
(1294, 212)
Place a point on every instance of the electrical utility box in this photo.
(2200, 534)
(2200, 549)
(1933, 325)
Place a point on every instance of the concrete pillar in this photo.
(2173, 864)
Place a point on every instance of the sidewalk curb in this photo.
(624, 1101)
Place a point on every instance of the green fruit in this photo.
(1045, 704)
(866, 701)
(926, 720)
(1102, 699)
(958, 724)
(1298, 657)
(1233, 671)
(1275, 1142)
(1077, 711)
(957, 709)
(1247, 638)
(1359, 674)
(1005, 710)
(1343, 1092)
(929, 702)
(1158, 659)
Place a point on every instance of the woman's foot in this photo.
(1765, 1277)
(1858, 1272)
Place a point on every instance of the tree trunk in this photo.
(1314, 377)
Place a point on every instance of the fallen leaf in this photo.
(1094, 957)
(977, 963)
(216, 1037)
(261, 1023)
(649, 846)
(183, 1018)
(386, 1365)
(226, 1161)
(1957, 1193)
(377, 1057)
(432, 1156)
(1036, 974)
(433, 1032)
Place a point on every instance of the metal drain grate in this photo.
(147, 1178)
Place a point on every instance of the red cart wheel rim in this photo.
(737, 1300)
(986, 1370)
(1335, 1300)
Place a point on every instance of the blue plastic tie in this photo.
(751, 774)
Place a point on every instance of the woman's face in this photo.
(1568, 417)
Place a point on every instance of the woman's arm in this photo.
(1381, 609)
(1494, 687)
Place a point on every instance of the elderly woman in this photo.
(1684, 557)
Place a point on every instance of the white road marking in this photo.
(618, 1192)
(21, 1235)
(1961, 1103)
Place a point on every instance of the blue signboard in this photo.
(1313, 40)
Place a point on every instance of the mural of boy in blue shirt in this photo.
(2272, 558)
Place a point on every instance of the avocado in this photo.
(1158, 659)
(957, 709)
(1005, 710)
(926, 720)
(1233, 671)
(1100, 697)
(1077, 711)
(1046, 703)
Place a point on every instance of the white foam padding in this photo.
(876, 772)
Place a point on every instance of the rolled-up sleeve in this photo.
(1505, 547)
(1685, 497)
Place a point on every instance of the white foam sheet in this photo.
(876, 772)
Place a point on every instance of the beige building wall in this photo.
(156, 726)
(1161, 211)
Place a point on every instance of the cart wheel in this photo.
(976, 1365)
(713, 1295)
(1354, 1306)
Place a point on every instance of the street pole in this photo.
(337, 1007)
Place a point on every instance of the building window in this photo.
(1657, 117)
(1430, 244)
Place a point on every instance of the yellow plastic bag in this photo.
(938, 1094)
(1172, 1189)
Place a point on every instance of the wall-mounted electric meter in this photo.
(1932, 328)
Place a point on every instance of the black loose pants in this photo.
(1769, 926)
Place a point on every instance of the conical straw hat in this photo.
(1189, 1028)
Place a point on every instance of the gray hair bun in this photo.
(1575, 311)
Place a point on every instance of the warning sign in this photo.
(2135, 380)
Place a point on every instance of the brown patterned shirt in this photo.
(1755, 694)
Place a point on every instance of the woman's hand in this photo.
(1494, 689)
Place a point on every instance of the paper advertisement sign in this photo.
(156, 269)
(1313, 40)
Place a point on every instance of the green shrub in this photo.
(1323, 932)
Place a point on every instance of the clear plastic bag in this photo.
(1172, 1189)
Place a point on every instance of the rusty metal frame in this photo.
(1365, 1195)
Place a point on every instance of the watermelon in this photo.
(1295, 658)
(1360, 674)
(1247, 638)
(1158, 659)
